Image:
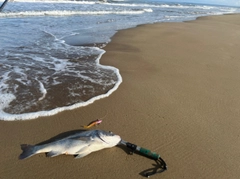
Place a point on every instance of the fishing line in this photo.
(104, 115)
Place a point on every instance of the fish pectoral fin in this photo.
(53, 154)
(82, 154)
(82, 150)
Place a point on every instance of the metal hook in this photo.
(161, 167)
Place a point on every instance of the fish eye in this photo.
(110, 132)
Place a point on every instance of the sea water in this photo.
(50, 51)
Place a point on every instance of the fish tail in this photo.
(86, 127)
(28, 151)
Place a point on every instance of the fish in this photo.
(79, 144)
(93, 123)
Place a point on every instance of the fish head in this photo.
(109, 138)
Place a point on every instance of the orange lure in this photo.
(93, 123)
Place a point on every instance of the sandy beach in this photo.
(179, 98)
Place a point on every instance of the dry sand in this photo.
(179, 98)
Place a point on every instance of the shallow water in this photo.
(50, 50)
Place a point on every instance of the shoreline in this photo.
(45, 113)
(179, 98)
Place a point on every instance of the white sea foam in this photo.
(5, 99)
(3, 85)
(66, 13)
(42, 90)
(148, 10)
(57, 1)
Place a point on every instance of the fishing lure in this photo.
(93, 123)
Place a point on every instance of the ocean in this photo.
(50, 51)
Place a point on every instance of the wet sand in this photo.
(179, 98)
